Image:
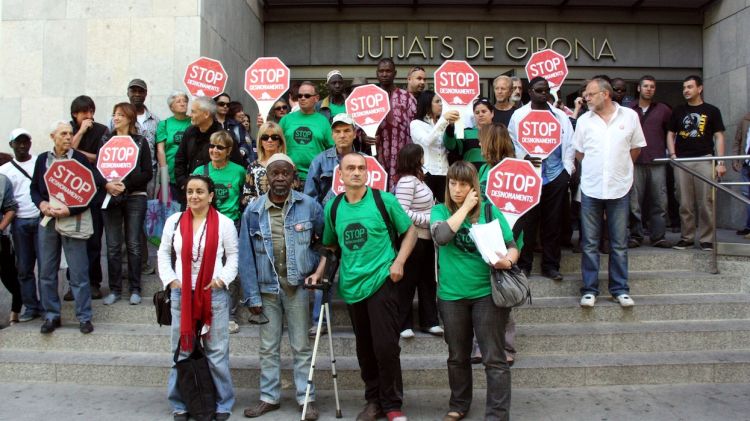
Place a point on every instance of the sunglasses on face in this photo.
(273, 137)
(219, 147)
(306, 96)
(281, 108)
(222, 104)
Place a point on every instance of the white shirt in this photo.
(607, 169)
(22, 186)
(566, 129)
(228, 245)
(430, 137)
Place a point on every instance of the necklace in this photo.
(200, 240)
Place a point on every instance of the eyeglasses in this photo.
(306, 96)
(258, 319)
(219, 147)
(273, 137)
(222, 104)
(281, 107)
(591, 94)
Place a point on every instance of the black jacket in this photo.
(138, 179)
(193, 152)
(39, 191)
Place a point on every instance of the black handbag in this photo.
(195, 383)
(510, 287)
(163, 306)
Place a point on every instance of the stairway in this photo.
(688, 326)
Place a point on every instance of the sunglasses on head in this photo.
(273, 137)
(219, 147)
(306, 96)
(281, 107)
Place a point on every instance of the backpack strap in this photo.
(386, 217)
(205, 170)
(172, 252)
(488, 216)
(334, 208)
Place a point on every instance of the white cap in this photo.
(333, 73)
(278, 156)
(18, 132)
(342, 118)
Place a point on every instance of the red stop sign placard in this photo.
(550, 65)
(539, 133)
(514, 187)
(205, 77)
(377, 178)
(117, 158)
(267, 79)
(368, 105)
(456, 82)
(70, 182)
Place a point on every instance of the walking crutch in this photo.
(325, 286)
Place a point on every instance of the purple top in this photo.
(655, 123)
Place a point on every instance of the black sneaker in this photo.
(744, 231)
(96, 293)
(707, 246)
(633, 243)
(682, 245)
(552, 274)
(50, 325)
(181, 416)
(662, 244)
(86, 327)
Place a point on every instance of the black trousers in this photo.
(436, 183)
(376, 329)
(8, 273)
(548, 215)
(419, 275)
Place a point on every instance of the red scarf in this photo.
(197, 310)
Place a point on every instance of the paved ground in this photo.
(28, 401)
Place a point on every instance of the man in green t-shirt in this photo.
(169, 135)
(307, 132)
(369, 271)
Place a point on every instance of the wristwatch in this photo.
(719, 163)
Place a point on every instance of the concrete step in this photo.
(543, 310)
(530, 339)
(640, 282)
(420, 372)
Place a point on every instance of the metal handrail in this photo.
(679, 163)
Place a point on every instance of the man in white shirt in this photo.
(24, 226)
(603, 136)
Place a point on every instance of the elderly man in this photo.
(603, 136)
(276, 257)
(504, 107)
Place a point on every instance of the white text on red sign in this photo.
(547, 68)
(267, 79)
(512, 186)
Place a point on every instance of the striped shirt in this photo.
(416, 199)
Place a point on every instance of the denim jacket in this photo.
(303, 222)
(320, 176)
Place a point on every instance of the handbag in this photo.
(510, 287)
(163, 306)
(79, 226)
(195, 383)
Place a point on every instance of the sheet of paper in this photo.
(489, 240)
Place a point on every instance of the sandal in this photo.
(453, 416)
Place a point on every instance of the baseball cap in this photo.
(139, 83)
(342, 118)
(18, 132)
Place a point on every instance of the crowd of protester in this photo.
(255, 211)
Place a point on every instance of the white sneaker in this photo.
(435, 330)
(624, 300)
(588, 300)
(233, 327)
(407, 334)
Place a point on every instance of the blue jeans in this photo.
(26, 244)
(463, 319)
(129, 215)
(649, 187)
(592, 219)
(217, 352)
(746, 190)
(49, 264)
(297, 311)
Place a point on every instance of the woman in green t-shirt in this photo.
(468, 147)
(465, 295)
(227, 176)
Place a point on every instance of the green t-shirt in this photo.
(170, 131)
(366, 249)
(462, 273)
(306, 136)
(468, 147)
(228, 182)
(336, 109)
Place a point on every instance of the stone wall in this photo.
(726, 73)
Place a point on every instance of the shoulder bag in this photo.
(510, 287)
